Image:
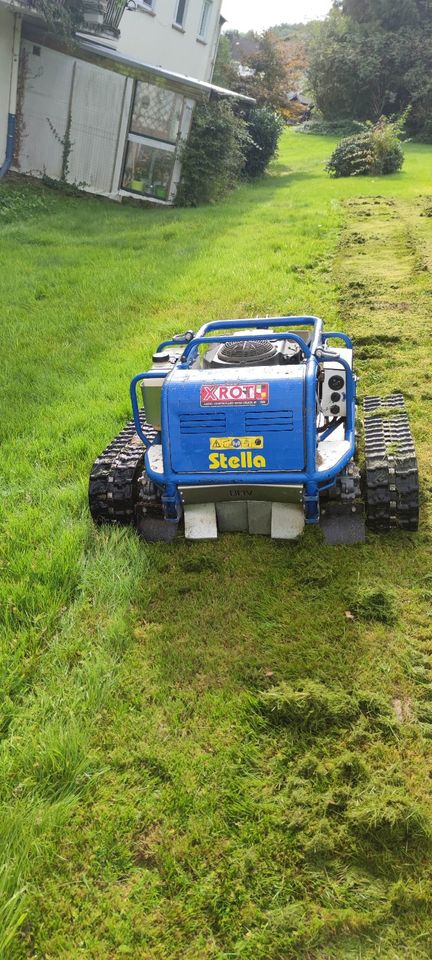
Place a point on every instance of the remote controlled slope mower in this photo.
(250, 425)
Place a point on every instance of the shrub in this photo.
(62, 18)
(353, 156)
(264, 128)
(386, 144)
(214, 155)
(374, 151)
(329, 128)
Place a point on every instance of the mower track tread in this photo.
(392, 483)
(113, 487)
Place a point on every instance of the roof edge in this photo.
(119, 63)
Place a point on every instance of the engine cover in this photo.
(251, 353)
(235, 424)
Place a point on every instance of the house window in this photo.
(204, 19)
(148, 169)
(146, 4)
(156, 112)
(151, 147)
(180, 13)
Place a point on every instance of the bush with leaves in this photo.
(264, 127)
(62, 18)
(374, 151)
(214, 155)
(329, 128)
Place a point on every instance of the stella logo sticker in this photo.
(220, 394)
(244, 461)
(236, 443)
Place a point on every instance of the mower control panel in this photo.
(333, 386)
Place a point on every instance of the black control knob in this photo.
(335, 408)
(335, 397)
(336, 382)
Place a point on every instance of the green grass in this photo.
(202, 755)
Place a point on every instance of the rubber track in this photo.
(114, 477)
(392, 484)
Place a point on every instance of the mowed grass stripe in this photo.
(202, 755)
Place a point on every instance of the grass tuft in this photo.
(372, 603)
(310, 705)
(386, 814)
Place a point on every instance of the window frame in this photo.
(180, 25)
(151, 142)
(137, 133)
(204, 21)
(148, 6)
(169, 147)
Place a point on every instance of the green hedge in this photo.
(264, 129)
(224, 147)
(375, 151)
(213, 157)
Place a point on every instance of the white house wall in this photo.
(6, 41)
(151, 37)
(45, 107)
(58, 86)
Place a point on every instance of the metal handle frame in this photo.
(151, 375)
(190, 353)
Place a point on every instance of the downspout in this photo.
(11, 126)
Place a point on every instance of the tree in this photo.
(374, 57)
(225, 73)
(269, 81)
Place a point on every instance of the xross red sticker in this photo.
(220, 394)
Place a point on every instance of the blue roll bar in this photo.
(192, 347)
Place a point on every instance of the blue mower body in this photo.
(249, 425)
(247, 430)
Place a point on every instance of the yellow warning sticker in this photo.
(236, 443)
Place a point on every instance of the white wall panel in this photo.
(97, 101)
(98, 104)
(47, 85)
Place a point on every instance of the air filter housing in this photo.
(251, 353)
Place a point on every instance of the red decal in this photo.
(235, 393)
(208, 395)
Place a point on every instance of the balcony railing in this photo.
(103, 16)
(100, 18)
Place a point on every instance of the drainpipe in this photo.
(11, 126)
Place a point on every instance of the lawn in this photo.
(212, 751)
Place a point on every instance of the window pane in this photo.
(156, 112)
(204, 18)
(181, 7)
(148, 170)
